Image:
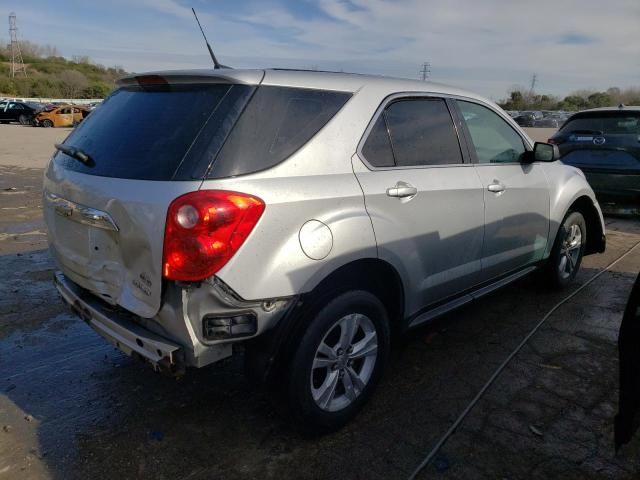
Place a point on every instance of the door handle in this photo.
(496, 187)
(402, 190)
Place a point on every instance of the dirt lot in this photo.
(72, 407)
(24, 152)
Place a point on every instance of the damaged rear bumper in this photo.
(197, 325)
(124, 334)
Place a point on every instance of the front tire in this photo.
(338, 361)
(46, 123)
(568, 250)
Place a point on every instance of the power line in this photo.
(17, 63)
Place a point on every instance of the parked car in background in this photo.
(605, 144)
(21, 112)
(275, 214)
(513, 113)
(528, 119)
(65, 116)
(550, 120)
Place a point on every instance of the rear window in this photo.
(149, 134)
(606, 123)
(276, 123)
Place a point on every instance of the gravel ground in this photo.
(72, 407)
(27, 146)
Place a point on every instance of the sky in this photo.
(487, 46)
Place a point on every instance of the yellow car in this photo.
(61, 116)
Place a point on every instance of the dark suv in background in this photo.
(605, 144)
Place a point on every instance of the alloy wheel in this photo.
(344, 362)
(570, 251)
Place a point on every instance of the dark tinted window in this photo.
(422, 133)
(377, 148)
(276, 122)
(493, 138)
(606, 123)
(147, 133)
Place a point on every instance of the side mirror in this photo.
(543, 152)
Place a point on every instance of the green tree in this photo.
(97, 90)
(7, 87)
(599, 99)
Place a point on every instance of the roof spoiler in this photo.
(177, 77)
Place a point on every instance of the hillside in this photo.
(52, 76)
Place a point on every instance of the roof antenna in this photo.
(213, 57)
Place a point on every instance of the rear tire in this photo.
(568, 249)
(338, 361)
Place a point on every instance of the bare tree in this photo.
(81, 59)
(73, 83)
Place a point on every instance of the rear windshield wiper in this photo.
(75, 153)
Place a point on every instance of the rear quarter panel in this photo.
(315, 183)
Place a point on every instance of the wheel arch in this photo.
(371, 274)
(270, 353)
(595, 232)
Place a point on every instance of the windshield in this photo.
(147, 134)
(608, 123)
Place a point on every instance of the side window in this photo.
(377, 148)
(422, 132)
(16, 106)
(493, 138)
(276, 123)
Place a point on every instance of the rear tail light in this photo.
(553, 141)
(204, 230)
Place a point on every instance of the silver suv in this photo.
(307, 216)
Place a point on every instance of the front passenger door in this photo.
(516, 194)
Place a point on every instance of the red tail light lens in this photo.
(204, 230)
(553, 141)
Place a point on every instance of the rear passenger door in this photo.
(424, 200)
(516, 194)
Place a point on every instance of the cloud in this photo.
(576, 39)
(486, 46)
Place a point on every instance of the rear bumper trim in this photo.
(132, 339)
